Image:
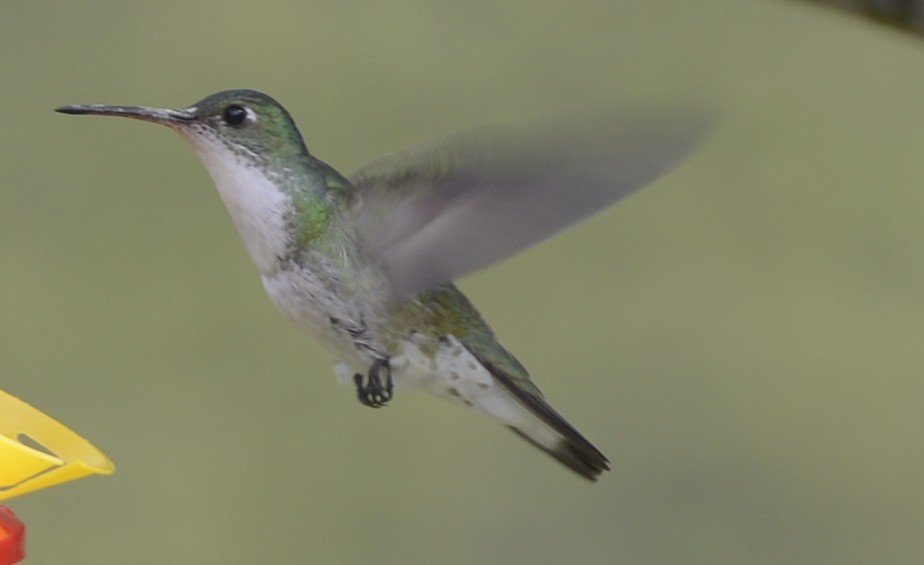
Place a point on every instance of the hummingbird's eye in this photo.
(234, 115)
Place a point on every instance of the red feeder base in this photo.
(12, 532)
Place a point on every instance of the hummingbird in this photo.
(364, 263)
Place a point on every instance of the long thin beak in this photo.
(157, 115)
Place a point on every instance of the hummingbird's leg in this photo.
(374, 393)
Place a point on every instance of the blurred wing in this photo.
(443, 210)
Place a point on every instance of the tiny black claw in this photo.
(373, 392)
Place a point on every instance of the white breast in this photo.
(257, 206)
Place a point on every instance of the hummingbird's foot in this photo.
(374, 393)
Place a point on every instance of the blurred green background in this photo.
(744, 338)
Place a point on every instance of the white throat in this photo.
(257, 206)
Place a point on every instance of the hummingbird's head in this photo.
(249, 124)
(255, 155)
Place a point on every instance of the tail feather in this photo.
(567, 446)
(585, 464)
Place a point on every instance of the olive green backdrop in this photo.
(744, 338)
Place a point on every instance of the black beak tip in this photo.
(73, 110)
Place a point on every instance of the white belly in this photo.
(451, 373)
(311, 307)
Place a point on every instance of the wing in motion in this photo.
(443, 210)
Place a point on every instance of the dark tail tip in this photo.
(580, 456)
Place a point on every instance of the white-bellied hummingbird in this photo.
(364, 262)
